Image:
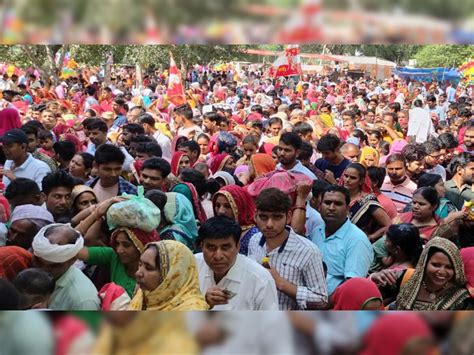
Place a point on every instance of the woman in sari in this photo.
(123, 255)
(178, 222)
(438, 282)
(190, 181)
(423, 216)
(179, 161)
(157, 333)
(357, 294)
(436, 181)
(222, 161)
(364, 209)
(168, 279)
(260, 164)
(236, 203)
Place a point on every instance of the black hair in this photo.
(44, 134)
(147, 118)
(292, 139)
(395, 106)
(407, 237)
(250, 139)
(10, 299)
(449, 140)
(90, 90)
(33, 286)
(139, 108)
(361, 170)
(97, 124)
(273, 200)
(319, 186)
(432, 145)
(392, 158)
(203, 135)
(192, 145)
(150, 148)
(108, 153)
(427, 179)
(460, 161)
(341, 189)
(257, 108)
(21, 187)
(185, 110)
(158, 198)
(393, 115)
(414, 152)
(429, 194)
(349, 113)
(418, 103)
(275, 119)
(212, 116)
(57, 179)
(142, 138)
(302, 128)
(256, 124)
(378, 134)
(159, 164)
(376, 175)
(329, 142)
(119, 101)
(88, 159)
(219, 227)
(196, 178)
(65, 149)
(134, 128)
(306, 151)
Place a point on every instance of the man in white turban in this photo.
(55, 250)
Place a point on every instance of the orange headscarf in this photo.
(262, 163)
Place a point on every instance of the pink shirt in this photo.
(388, 205)
(401, 195)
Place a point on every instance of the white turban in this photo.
(55, 253)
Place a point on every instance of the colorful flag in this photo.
(288, 63)
(175, 90)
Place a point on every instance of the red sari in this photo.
(426, 232)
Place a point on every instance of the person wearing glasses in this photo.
(433, 157)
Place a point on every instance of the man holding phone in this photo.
(229, 280)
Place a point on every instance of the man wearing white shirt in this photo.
(148, 123)
(229, 280)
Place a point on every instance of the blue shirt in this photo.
(323, 164)
(300, 168)
(347, 253)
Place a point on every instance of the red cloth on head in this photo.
(267, 148)
(9, 119)
(467, 255)
(390, 333)
(138, 237)
(175, 161)
(73, 138)
(242, 203)
(13, 259)
(218, 162)
(354, 293)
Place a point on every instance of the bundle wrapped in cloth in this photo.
(136, 212)
(283, 180)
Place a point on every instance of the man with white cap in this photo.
(26, 221)
(55, 250)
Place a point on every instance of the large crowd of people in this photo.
(251, 193)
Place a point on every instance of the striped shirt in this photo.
(298, 261)
(401, 195)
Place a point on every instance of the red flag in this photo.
(288, 63)
(175, 90)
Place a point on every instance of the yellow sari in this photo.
(179, 290)
(155, 333)
(369, 151)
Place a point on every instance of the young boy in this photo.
(46, 143)
(294, 262)
(35, 287)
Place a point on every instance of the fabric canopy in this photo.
(428, 74)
